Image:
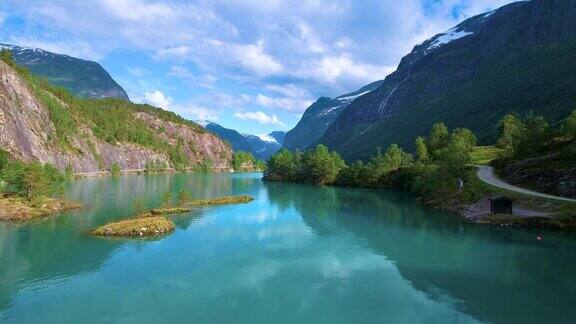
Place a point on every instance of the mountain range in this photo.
(82, 78)
(319, 116)
(517, 58)
(261, 146)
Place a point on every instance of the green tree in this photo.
(458, 153)
(281, 166)
(534, 138)
(439, 137)
(35, 182)
(115, 169)
(243, 161)
(320, 166)
(422, 149)
(184, 197)
(511, 129)
(167, 198)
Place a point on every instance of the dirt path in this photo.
(486, 174)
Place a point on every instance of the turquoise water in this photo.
(297, 254)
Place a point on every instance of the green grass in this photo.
(223, 201)
(483, 155)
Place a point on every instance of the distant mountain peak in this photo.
(81, 77)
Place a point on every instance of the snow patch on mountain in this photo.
(449, 36)
(350, 98)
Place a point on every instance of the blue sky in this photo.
(250, 65)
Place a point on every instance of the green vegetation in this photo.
(155, 166)
(137, 227)
(531, 137)
(18, 208)
(245, 162)
(441, 160)
(112, 120)
(169, 211)
(184, 197)
(206, 166)
(222, 201)
(167, 198)
(441, 174)
(115, 169)
(34, 180)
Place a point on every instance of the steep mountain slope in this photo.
(43, 123)
(319, 116)
(83, 78)
(236, 140)
(279, 136)
(517, 58)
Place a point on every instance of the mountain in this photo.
(279, 136)
(262, 147)
(39, 122)
(319, 116)
(265, 145)
(235, 139)
(517, 58)
(82, 78)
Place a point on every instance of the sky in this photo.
(251, 65)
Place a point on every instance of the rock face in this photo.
(82, 78)
(319, 116)
(517, 58)
(529, 173)
(28, 134)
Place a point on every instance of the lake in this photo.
(297, 254)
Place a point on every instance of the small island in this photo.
(136, 227)
(229, 200)
(152, 223)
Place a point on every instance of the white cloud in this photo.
(259, 116)
(2, 17)
(284, 103)
(190, 111)
(158, 99)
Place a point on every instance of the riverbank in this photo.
(17, 208)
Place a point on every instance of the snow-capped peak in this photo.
(449, 36)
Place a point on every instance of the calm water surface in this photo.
(297, 254)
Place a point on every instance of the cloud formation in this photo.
(277, 56)
(260, 117)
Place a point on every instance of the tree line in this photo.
(440, 163)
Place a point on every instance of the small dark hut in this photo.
(501, 205)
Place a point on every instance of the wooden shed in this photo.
(501, 205)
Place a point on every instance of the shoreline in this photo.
(14, 208)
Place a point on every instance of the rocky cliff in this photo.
(517, 58)
(30, 130)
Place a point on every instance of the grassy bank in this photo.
(17, 208)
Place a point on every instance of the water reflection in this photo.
(499, 275)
